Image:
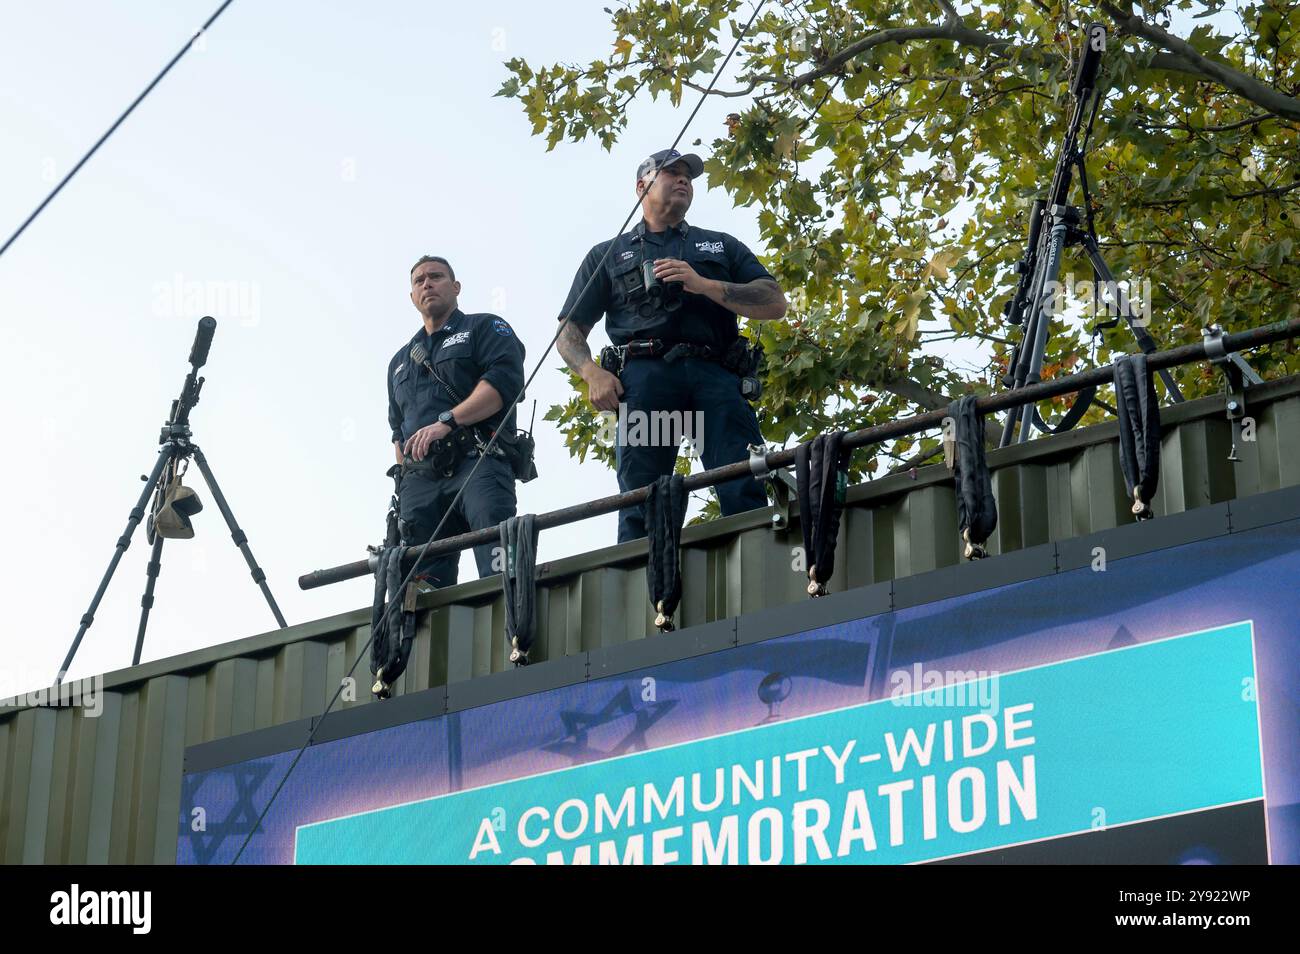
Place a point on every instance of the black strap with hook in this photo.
(665, 511)
(977, 509)
(518, 583)
(390, 647)
(820, 468)
(1139, 430)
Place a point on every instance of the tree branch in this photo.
(1277, 191)
(1179, 57)
(920, 457)
(728, 92)
(1186, 59)
(918, 394)
(1188, 127)
(952, 30)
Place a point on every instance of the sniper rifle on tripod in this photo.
(173, 504)
(1054, 224)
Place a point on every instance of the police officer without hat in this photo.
(677, 341)
(442, 411)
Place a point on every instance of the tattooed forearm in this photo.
(761, 298)
(573, 347)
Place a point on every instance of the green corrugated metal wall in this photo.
(75, 789)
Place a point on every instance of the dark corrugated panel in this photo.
(107, 789)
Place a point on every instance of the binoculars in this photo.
(667, 294)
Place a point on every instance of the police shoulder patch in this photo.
(500, 327)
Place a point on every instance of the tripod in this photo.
(176, 450)
(1053, 226)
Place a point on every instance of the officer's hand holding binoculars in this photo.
(418, 446)
(603, 389)
(675, 270)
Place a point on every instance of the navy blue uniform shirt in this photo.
(465, 350)
(618, 292)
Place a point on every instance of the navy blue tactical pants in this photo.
(711, 396)
(489, 499)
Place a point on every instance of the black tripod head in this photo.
(1068, 159)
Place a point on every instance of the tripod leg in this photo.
(1146, 343)
(1016, 375)
(124, 541)
(146, 601)
(1042, 294)
(1019, 371)
(238, 535)
(1009, 428)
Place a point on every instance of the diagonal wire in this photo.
(113, 128)
(486, 451)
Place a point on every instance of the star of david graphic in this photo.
(240, 818)
(574, 744)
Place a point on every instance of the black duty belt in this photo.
(733, 357)
(670, 350)
(443, 456)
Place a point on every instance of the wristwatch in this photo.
(446, 417)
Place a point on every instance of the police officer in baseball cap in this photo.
(671, 293)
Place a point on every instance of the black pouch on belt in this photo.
(520, 452)
(611, 359)
(746, 361)
(444, 455)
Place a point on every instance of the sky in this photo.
(294, 166)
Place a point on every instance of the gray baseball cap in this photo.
(666, 157)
